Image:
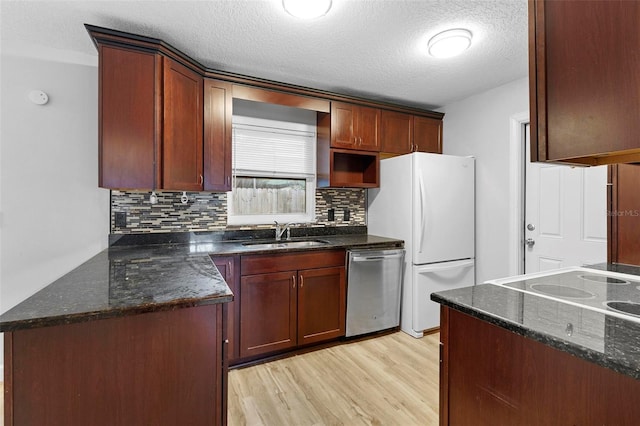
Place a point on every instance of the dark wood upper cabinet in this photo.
(218, 105)
(404, 133)
(182, 146)
(342, 162)
(129, 116)
(396, 131)
(623, 227)
(584, 71)
(355, 127)
(151, 132)
(427, 135)
(165, 120)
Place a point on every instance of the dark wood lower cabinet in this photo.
(160, 368)
(291, 300)
(321, 304)
(268, 313)
(491, 376)
(228, 266)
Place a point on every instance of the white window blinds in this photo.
(273, 152)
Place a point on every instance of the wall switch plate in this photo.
(346, 215)
(331, 215)
(121, 219)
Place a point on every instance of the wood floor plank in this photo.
(389, 380)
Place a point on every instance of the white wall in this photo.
(53, 216)
(480, 126)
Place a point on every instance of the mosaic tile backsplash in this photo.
(206, 211)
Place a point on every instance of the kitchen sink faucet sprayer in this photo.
(281, 230)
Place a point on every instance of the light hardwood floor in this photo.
(389, 380)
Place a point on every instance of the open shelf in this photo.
(354, 169)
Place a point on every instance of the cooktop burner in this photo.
(603, 279)
(608, 292)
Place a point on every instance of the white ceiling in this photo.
(368, 48)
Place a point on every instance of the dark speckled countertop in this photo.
(168, 272)
(607, 340)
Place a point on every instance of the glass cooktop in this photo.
(609, 292)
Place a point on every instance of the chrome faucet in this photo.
(281, 230)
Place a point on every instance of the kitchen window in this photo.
(274, 172)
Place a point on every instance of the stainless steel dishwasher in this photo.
(374, 284)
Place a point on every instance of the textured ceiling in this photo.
(370, 48)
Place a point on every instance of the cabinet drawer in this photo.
(266, 263)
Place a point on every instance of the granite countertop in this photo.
(606, 340)
(166, 272)
(122, 282)
(330, 242)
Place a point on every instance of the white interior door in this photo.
(565, 215)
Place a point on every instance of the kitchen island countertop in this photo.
(133, 279)
(606, 340)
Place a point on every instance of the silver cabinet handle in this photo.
(293, 277)
(201, 179)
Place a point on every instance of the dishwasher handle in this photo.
(372, 258)
(375, 258)
(360, 255)
(374, 255)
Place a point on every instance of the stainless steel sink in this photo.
(285, 244)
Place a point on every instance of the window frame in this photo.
(311, 179)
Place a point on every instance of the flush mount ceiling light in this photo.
(306, 9)
(449, 43)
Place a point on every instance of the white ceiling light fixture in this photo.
(306, 9)
(449, 43)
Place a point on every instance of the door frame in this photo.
(517, 156)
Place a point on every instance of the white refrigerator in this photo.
(427, 200)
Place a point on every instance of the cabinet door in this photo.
(182, 126)
(368, 129)
(427, 135)
(218, 104)
(624, 215)
(342, 125)
(321, 304)
(584, 83)
(129, 129)
(268, 306)
(396, 132)
(227, 267)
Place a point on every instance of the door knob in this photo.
(531, 227)
(530, 242)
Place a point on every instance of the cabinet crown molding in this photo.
(106, 36)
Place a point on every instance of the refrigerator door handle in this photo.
(422, 215)
(452, 265)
